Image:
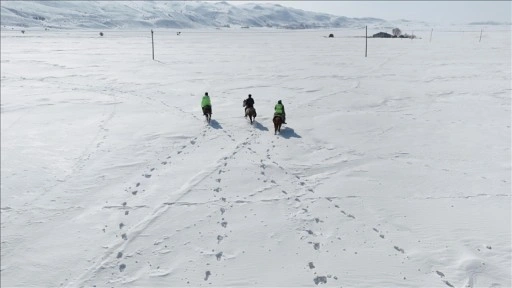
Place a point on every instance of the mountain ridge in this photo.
(166, 14)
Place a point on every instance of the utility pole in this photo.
(366, 46)
(152, 44)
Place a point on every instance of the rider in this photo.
(248, 103)
(206, 103)
(279, 111)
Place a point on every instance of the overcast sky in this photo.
(429, 11)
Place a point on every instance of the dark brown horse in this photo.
(251, 112)
(278, 120)
(207, 112)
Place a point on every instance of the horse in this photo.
(251, 112)
(278, 120)
(207, 112)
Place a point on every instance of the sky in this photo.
(429, 11)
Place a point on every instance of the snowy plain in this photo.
(393, 170)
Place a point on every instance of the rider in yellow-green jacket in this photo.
(279, 110)
(206, 103)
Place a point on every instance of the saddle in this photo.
(247, 110)
(281, 116)
(207, 110)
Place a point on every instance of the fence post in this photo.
(481, 35)
(431, 35)
(366, 46)
(152, 44)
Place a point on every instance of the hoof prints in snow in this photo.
(119, 255)
(219, 256)
(207, 274)
(311, 265)
(399, 249)
(320, 280)
(122, 267)
(380, 235)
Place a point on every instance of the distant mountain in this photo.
(491, 23)
(166, 14)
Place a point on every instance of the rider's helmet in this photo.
(205, 93)
(250, 95)
(279, 102)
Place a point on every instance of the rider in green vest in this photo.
(279, 110)
(206, 103)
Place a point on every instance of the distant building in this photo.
(382, 35)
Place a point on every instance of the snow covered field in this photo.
(394, 170)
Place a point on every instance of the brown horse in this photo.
(207, 112)
(278, 120)
(251, 112)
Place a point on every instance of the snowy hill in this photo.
(165, 14)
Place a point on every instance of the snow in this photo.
(393, 170)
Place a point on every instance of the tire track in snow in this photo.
(133, 232)
(126, 208)
(138, 228)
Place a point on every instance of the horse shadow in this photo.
(288, 133)
(259, 126)
(214, 124)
